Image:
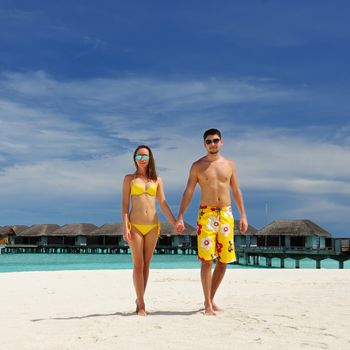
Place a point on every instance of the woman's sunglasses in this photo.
(142, 156)
(215, 141)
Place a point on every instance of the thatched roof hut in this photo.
(38, 230)
(108, 230)
(74, 230)
(293, 228)
(19, 228)
(11, 230)
(6, 233)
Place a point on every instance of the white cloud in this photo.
(62, 178)
(278, 160)
(264, 163)
(324, 208)
(75, 139)
(43, 118)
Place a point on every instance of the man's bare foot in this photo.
(216, 307)
(140, 310)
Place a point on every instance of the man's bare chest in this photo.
(218, 172)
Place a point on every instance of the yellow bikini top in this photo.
(137, 188)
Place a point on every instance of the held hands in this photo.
(179, 226)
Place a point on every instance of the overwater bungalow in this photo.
(108, 239)
(296, 234)
(33, 235)
(6, 235)
(12, 232)
(295, 239)
(71, 235)
(280, 239)
(107, 235)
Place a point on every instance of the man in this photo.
(216, 176)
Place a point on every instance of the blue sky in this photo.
(82, 83)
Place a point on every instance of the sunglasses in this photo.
(142, 156)
(214, 141)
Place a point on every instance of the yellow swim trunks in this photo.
(215, 234)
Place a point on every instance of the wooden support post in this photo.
(282, 263)
(246, 258)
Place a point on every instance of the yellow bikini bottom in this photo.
(144, 229)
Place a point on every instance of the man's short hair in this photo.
(211, 132)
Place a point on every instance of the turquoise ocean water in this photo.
(57, 262)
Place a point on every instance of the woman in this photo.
(141, 225)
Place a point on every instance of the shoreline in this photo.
(85, 262)
(94, 309)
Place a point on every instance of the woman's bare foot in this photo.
(216, 307)
(208, 310)
(141, 312)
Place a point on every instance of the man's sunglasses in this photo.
(140, 156)
(214, 141)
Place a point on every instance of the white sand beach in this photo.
(264, 309)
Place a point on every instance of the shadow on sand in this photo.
(123, 314)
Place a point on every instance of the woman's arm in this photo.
(163, 203)
(125, 207)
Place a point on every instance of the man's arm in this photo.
(237, 196)
(186, 197)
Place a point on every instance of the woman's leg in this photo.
(150, 241)
(137, 247)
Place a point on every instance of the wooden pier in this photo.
(73, 249)
(283, 239)
(252, 255)
(65, 249)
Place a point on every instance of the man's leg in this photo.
(218, 275)
(206, 252)
(206, 279)
(225, 249)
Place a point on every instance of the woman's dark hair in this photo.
(151, 168)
